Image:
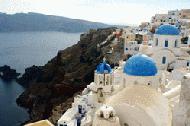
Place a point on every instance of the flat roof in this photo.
(40, 123)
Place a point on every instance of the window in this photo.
(135, 82)
(136, 48)
(156, 41)
(187, 63)
(163, 60)
(63, 124)
(126, 49)
(175, 43)
(111, 114)
(125, 124)
(79, 109)
(101, 94)
(101, 114)
(166, 43)
(107, 81)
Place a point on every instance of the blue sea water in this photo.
(21, 50)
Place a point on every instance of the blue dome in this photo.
(167, 30)
(103, 68)
(140, 65)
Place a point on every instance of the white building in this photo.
(172, 18)
(143, 91)
(134, 38)
(167, 50)
(131, 47)
(84, 106)
(185, 27)
(178, 18)
(159, 19)
(139, 91)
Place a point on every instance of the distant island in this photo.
(21, 22)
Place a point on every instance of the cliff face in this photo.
(66, 74)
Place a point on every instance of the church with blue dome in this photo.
(166, 48)
(140, 65)
(167, 30)
(103, 68)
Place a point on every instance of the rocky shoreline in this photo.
(7, 73)
(50, 88)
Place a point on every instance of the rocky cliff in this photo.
(7, 73)
(69, 72)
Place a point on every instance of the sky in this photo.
(126, 12)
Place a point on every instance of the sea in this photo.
(21, 50)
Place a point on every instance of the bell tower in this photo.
(103, 77)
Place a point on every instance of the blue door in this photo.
(166, 43)
(79, 122)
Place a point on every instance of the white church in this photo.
(149, 89)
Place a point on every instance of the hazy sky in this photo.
(107, 11)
